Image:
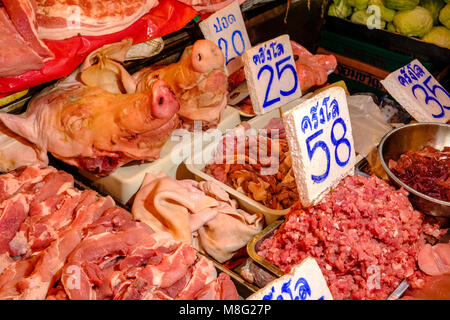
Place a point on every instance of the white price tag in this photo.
(419, 93)
(319, 135)
(226, 28)
(304, 282)
(271, 75)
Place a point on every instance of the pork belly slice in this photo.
(52, 259)
(19, 57)
(25, 178)
(23, 16)
(61, 19)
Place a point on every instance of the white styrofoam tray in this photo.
(208, 153)
(124, 182)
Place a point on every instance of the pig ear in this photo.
(20, 125)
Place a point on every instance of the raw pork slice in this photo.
(18, 57)
(61, 19)
(23, 16)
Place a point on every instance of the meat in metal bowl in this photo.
(413, 137)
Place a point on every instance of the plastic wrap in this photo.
(369, 125)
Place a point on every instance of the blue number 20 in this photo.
(233, 36)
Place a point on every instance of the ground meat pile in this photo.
(275, 188)
(362, 227)
(426, 170)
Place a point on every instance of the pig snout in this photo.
(206, 56)
(164, 102)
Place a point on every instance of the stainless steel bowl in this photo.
(412, 137)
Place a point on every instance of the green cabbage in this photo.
(444, 16)
(340, 9)
(358, 4)
(434, 6)
(386, 13)
(440, 36)
(362, 17)
(416, 22)
(401, 4)
(390, 27)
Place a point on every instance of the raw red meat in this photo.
(426, 170)
(56, 229)
(364, 225)
(124, 259)
(18, 57)
(23, 16)
(62, 19)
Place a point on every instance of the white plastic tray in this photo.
(124, 182)
(245, 202)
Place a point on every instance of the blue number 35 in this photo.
(429, 98)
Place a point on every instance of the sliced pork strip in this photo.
(171, 269)
(203, 272)
(35, 287)
(12, 182)
(54, 183)
(12, 275)
(221, 288)
(435, 260)
(19, 57)
(12, 213)
(23, 16)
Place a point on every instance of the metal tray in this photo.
(255, 243)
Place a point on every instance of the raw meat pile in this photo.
(60, 242)
(197, 213)
(363, 226)
(426, 170)
(258, 166)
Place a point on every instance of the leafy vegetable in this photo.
(401, 4)
(444, 16)
(439, 36)
(415, 22)
(434, 6)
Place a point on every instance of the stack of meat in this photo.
(365, 236)
(60, 242)
(258, 166)
(26, 51)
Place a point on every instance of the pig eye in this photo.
(161, 100)
(199, 57)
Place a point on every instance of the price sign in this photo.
(271, 75)
(304, 282)
(226, 28)
(419, 93)
(319, 135)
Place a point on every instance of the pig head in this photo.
(198, 80)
